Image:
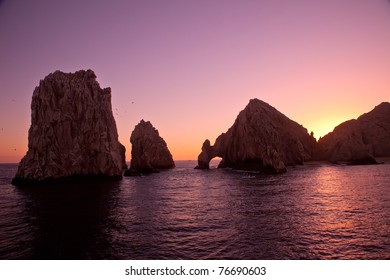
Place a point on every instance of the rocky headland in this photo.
(359, 141)
(149, 151)
(73, 135)
(73, 132)
(261, 139)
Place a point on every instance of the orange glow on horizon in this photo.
(322, 127)
(318, 62)
(188, 144)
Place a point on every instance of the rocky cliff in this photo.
(149, 151)
(359, 141)
(261, 139)
(73, 131)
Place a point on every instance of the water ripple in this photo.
(316, 212)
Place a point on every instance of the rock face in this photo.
(261, 139)
(359, 141)
(149, 151)
(73, 131)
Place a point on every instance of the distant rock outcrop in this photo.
(261, 139)
(149, 151)
(73, 131)
(359, 141)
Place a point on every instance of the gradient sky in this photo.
(191, 66)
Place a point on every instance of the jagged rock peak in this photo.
(359, 141)
(149, 151)
(73, 132)
(380, 113)
(261, 139)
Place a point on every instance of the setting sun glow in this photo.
(190, 70)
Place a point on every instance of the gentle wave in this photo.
(311, 212)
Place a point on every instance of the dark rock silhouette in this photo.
(149, 151)
(73, 133)
(122, 149)
(359, 141)
(261, 139)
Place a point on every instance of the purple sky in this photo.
(191, 66)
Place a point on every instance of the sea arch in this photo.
(208, 153)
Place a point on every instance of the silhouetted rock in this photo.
(73, 132)
(261, 139)
(359, 141)
(363, 161)
(149, 152)
(123, 156)
(208, 153)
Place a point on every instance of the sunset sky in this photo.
(189, 67)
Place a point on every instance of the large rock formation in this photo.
(261, 139)
(149, 151)
(359, 141)
(73, 131)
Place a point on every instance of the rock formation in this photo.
(149, 151)
(73, 131)
(359, 141)
(261, 139)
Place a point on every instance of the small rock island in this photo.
(73, 132)
(149, 151)
(261, 139)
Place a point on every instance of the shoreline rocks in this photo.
(261, 139)
(73, 136)
(73, 132)
(359, 141)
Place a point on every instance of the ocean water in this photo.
(315, 211)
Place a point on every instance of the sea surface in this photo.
(315, 211)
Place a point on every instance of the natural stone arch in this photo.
(208, 153)
(215, 162)
(261, 139)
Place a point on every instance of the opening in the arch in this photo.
(214, 162)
